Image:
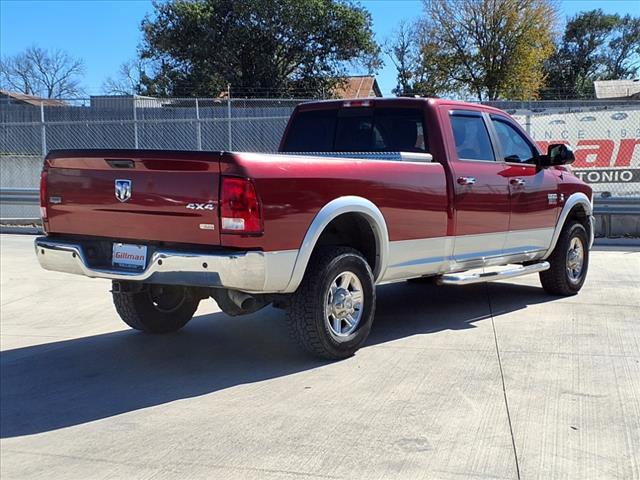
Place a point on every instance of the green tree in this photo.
(487, 49)
(622, 59)
(595, 46)
(260, 47)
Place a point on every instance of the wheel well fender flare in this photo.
(576, 199)
(339, 206)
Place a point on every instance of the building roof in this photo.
(21, 98)
(358, 87)
(617, 88)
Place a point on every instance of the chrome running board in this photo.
(470, 278)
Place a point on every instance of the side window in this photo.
(472, 137)
(515, 147)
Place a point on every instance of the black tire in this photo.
(558, 280)
(156, 308)
(306, 314)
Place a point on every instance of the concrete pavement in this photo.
(485, 381)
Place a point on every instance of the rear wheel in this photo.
(331, 313)
(156, 308)
(569, 262)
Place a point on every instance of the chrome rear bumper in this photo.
(253, 272)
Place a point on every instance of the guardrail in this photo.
(605, 209)
(19, 196)
(617, 216)
(616, 206)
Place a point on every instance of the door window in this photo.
(472, 137)
(515, 147)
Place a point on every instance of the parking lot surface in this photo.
(485, 381)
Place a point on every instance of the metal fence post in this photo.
(229, 117)
(135, 123)
(198, 127)
(43, 129)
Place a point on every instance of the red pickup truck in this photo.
(362, 192)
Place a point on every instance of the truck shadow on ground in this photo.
(56, 385)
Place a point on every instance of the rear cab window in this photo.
(358, 129)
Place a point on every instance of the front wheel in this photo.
(331, 313)
(569, 262)
(156, 308)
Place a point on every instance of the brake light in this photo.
(357, 103)
(239, 206)
(43, 195)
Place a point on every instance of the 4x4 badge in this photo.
(123, 190)
(201, 206)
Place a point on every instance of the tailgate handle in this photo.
(121, 163)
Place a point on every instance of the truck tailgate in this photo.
(142, 195)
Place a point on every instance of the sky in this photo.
(106, 33)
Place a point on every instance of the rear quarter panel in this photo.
(293, 189)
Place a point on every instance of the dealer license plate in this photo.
(126, 255)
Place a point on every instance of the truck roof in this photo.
(391, 102)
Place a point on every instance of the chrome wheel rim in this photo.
(344, 304)
(575, 259)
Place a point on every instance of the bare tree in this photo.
(412, 51)
(36, 71)
(128, 80)
(402, 49)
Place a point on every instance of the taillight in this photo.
(239, 206)
(43, 195)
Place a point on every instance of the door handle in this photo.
(518, 182)
(466, 180)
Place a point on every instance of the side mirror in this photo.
(557, 154)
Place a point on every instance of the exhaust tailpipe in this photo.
(242, 300)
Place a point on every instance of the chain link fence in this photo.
(605, 138)
(605, 135)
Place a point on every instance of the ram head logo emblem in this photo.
(123, 190)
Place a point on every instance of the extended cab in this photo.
(362, 192)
